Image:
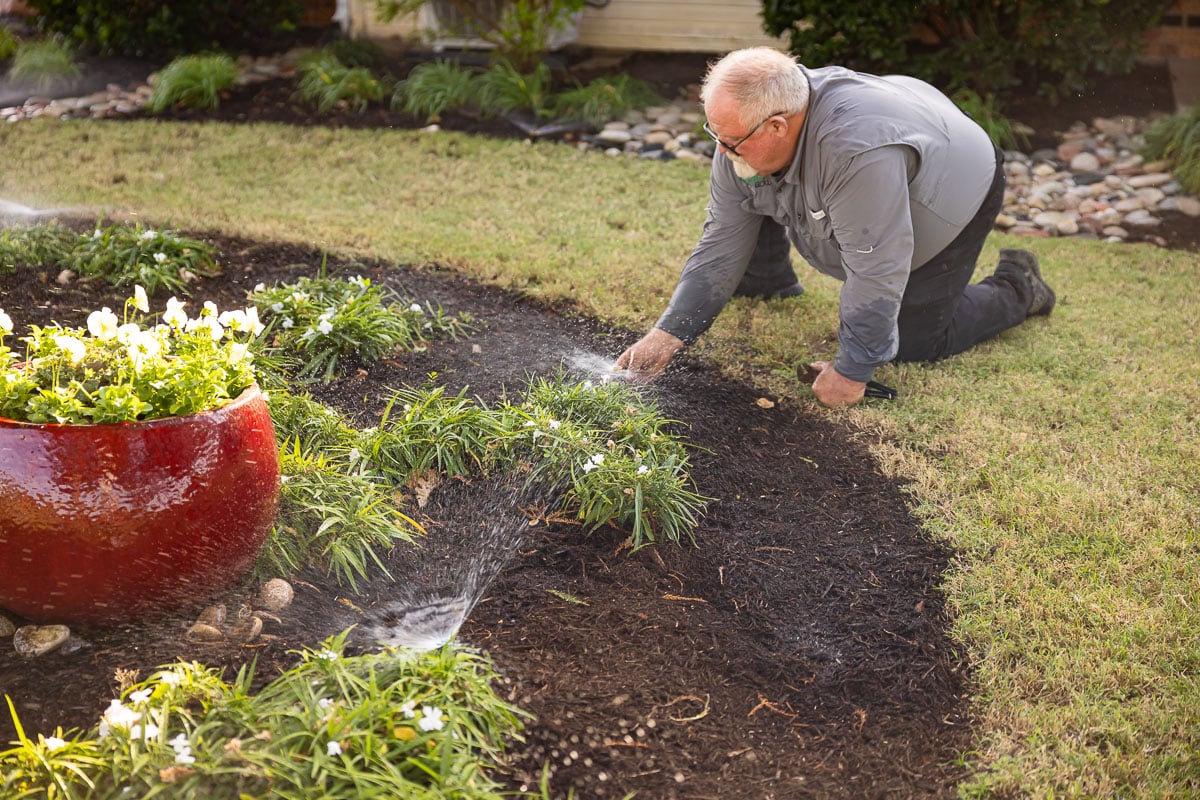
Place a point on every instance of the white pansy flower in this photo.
(103, 324)
(75, 349)
(207, 323)
(210, 309)
(175, 316)
(142, 348)
(126, 332)
(140, 302)
(234, 320)
(237, 352)
(6, 323)
(431, 719)
(54, 743)
(256, 326)
(333, 749)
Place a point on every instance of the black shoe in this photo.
(1042, 299)
(795, 290)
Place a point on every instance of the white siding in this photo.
(693, 26)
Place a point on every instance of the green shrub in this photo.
(604, 99)
(44, 63)
(435, 87)
(325, 81)
(193, 82)
(985, 46)
(163, 29)
(1176, 137)
(356, 52)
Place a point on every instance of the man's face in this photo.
(749, 148)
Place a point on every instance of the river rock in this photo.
(204, 634)
(31, 641)
(275, 595)
(7, 627)
(246, 629)
(1085, 162)
(213, 615)
(1149, 179)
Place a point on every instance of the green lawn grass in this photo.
(1060, 461)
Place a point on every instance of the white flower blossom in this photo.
(326, 655)
(333, 749)
(210, 309)
(75, 349)
(148, 731)
(256, 326)
(146, 234)
(103, 324)
(360, 281)
(142, 348)
(642, 469)
(207, 323)
(299, 297)
(593, 462)
(141, 696)
(170, 678)
(54, 743)
(277, 308)
(183, 749)
(553, 424)
(324, 702)
(234, 320)
(140, 301)
(431, 719)
(287, 323)
(175, 316)
(409, 709)
(324, 326)
(118, 715)
(6, 323)
(260, 287)
(238, 352)
(417, 308)
(126, 332)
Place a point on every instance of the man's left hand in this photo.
(835, 390)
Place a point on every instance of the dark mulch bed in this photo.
(800, 650)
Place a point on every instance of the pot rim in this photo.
(247, 395)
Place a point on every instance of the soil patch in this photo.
(798, 651)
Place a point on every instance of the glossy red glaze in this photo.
(101, 523)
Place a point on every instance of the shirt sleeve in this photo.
(719, 260)
(872, 223)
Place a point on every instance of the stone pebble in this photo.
(1093, 184)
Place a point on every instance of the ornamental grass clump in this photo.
(193, 82)
(334, 726)
(120, 254)
(324, 319)
(325, 82)
(43, 63)
(124, 369)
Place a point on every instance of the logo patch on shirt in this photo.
(818, 214)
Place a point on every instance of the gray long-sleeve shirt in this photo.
(887, 172)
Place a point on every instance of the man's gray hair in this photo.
(760, 80)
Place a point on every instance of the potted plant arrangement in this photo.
(139, 470)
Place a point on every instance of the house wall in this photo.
(693, 26)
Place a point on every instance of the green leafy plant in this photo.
(325, 319)
(521, 30)
(504, 89)
(1176, 137)
(164, 29)
(356, 52)
(193, 82)
(121, 254)
(985, 110)
(44, 63)
(119, 371)
(986, 46)
(325, 82)
(333, 726)
(435, 87)
(604, 99)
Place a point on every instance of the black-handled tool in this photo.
(807, 373)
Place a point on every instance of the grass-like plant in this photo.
(1176, 137)
(502, 89)
(434, 87)
(43, 63)
(121, 254)
(604, 99)
(333, 726)
(325, 82)
(986, 112)
(193, 82)
(356, 52)
(8, 43)
(325, 319)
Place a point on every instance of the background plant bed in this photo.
(799, 651)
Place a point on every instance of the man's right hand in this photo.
(649, 357)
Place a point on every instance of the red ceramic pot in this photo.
(102, 523)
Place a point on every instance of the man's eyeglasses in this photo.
(732, 148)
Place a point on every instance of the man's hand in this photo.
(649, 357)
(834, 390)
